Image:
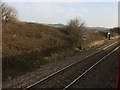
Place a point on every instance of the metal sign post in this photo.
(84, 38)
(108, 35)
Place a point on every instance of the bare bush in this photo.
(8, 13)
(74, 28)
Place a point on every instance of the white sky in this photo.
(94, 13)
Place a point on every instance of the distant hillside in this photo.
(97, 28)
(57, 25)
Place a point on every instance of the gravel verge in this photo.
(31, 77)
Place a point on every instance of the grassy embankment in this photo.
(27, 46)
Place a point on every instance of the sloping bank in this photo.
(29, 46)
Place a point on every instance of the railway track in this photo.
(67, 76)
(90, 68)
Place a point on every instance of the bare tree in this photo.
(8, 13)
(74, 28)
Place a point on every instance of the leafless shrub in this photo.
(8, 13)
(74, 28)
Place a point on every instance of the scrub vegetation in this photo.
(27, 46)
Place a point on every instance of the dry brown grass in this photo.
(27, 46)
(95, 43)
(94, 38)
(29, 37)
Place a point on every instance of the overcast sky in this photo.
(96, 14)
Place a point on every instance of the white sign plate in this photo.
(84, 37)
